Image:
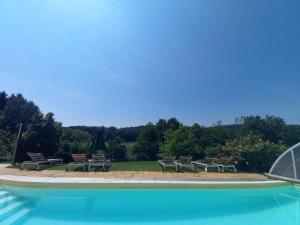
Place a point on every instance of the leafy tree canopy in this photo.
(254, 141)
(180, 142)
(116, 150)
(147, 144)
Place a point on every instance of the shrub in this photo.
(253, 153)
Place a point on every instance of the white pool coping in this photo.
(98, 180)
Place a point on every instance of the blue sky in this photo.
(121, 63)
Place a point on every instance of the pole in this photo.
(14, 155)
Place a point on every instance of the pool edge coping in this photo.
(114, 183)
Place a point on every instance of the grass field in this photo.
(129, 166)
(136, 166)
(124, 166)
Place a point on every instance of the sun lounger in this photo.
(39, 161)
(206, 164)
(168, 162)
(185, 161)
(225, 163)
(99, 160)
(79, 160)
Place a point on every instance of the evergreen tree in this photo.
(98, 143)
(147, 146)
(116, 150)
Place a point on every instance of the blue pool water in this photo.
(267, 206)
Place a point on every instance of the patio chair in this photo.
(185, 161)
(99, 160)
(226, 163)
(78, 160)
(206, 164)
(168, 161)
(38, 160)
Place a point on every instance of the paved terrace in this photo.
(132, 174)
(132, 177)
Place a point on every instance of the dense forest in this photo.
(253, 141)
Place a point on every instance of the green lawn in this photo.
(135, 166)
(124, 166)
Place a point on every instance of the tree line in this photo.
(253, 141)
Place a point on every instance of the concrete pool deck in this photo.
(129, 178)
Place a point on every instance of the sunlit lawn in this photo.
(124, 166)
(120, 166)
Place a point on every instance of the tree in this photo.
(213, 151)
(269, 128)
(180, 142)
(7, 142)
(147, 145)
(98, 143)
(50, 135)
(161, 127)
(197, 132)
(254, 141)
(116, 149)
(128, 134)
(173, 124)
(213, 136)
(110, 133)
(274, 127)
(3, 100)
(42, 135)
(18, 110)
(73, 141)
(291, 134)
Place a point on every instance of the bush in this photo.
(253, 153)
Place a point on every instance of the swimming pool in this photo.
(265, 206)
